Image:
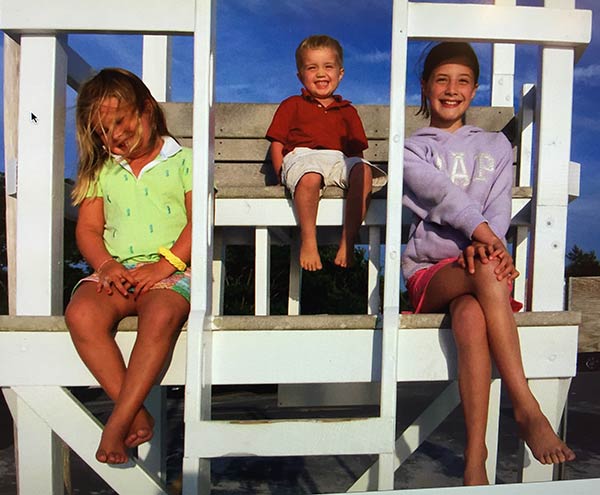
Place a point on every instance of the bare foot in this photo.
(544, 443)
(141, 429)
(309, 256)
(112, 448)
(344, 257)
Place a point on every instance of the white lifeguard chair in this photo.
(285, 349)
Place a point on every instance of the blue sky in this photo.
(256, 40)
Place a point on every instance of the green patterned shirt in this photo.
(146, 212)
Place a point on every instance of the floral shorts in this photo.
(178, 281)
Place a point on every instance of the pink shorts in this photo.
(418, 283)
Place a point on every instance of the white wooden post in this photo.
(11, 140)
(295, 288)
(391, 301)
(41, 176)
(196, 472)
(555, 91)
(262, 269)
(38, 451)
(154, 452)
(373, 285)
(156, 65)
(521, 247)
(503, 69)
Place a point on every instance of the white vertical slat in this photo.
(391, 302)
(154, 452)
(218, 268)
(262, 276)
(156, 65)
(41, 176)
(196, 472)
(524, 159)
(38, 451)
(11, 139)
(491, 436)
(555, 91)
(373, 285)
(503, 68)
(552, 394)
(295, 289)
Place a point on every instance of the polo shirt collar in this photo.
(169, 148)
(338, 100)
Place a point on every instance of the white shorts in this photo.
(332, 165)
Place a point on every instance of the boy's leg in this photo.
(357, 203)
(306, 202)
(161, 313)
(493, 296)
(474, 374)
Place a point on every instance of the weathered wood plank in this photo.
(251, 120)
(584, 296)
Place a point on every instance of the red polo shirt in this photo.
(301, 121)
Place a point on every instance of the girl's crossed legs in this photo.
(92, 318)
(483, 324)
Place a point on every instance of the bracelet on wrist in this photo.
(101, 265)
(172, 258)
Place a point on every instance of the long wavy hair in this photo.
(440, 53)
(129, 90)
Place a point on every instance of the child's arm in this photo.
(149, 274)
(276, 152)
(432, 196)
(89, 232)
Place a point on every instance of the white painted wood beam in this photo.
(59, 411)
(286, 356)
(288, 437)
(156, 65)
(41, 176)
(500, 24)
(554, 117)
(150, 16)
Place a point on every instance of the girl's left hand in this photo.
(149, 274)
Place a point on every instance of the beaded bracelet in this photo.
(177, 262)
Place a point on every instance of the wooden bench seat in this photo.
(37, 350)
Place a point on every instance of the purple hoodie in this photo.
(452, 183)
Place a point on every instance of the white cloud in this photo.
(374, 57)
(589, 74)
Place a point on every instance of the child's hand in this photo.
(149, 274)
(486, 253)
(114, 274)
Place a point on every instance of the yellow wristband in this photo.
(172, 258)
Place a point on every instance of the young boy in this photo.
(317, 140)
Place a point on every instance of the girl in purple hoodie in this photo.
(458, 182)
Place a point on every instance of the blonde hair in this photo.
(315, 42)
(129, 90)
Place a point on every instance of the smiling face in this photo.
(122, 130)
(320, 73)
(449, 90)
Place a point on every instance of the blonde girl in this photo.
(134, 229)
